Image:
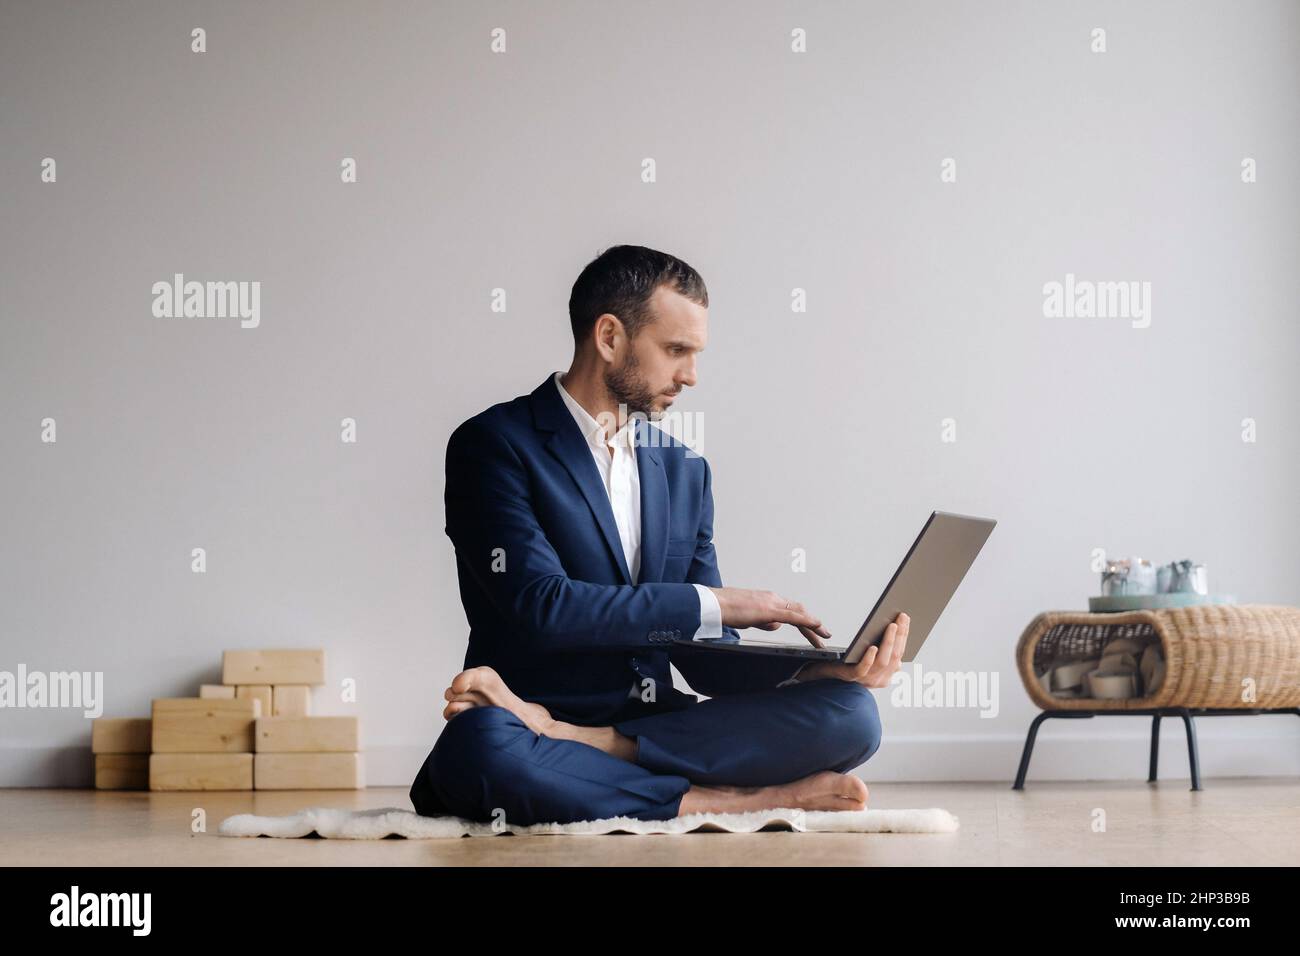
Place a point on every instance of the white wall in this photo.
(776, 170)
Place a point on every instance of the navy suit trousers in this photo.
(487, 763)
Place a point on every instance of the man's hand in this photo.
(878, 664)
(768, 610)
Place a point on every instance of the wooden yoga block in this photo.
(290, 700)
(273, 667)
(191, 725)
(280, 771)
(200, 771)
(121, 771)
(216, 691)
(259, 692)
(306, 735)
(121, 735)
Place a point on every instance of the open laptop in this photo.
(921, 587)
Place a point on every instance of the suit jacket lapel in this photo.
(654, 502)
(569, 446)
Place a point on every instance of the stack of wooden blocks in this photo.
(254, 730)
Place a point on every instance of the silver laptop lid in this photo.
(925, 581)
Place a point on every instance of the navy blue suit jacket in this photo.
(546, 588)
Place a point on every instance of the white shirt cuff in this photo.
(710, 615)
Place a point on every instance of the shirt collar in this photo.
(591, 429)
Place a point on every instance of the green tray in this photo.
(1141, 602)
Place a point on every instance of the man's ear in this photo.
(608, 334)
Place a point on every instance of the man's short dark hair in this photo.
(621, 281)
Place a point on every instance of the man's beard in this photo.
(628, 388)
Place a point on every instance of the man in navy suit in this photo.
(584, 548)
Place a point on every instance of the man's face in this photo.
(660, 361)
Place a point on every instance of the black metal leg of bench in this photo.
(1155, 749)
(1193, 754)
(1192, 759)
(1029, 749)
(1033, 733)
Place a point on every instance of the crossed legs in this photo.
(789, 747)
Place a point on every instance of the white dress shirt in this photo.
(616, 461)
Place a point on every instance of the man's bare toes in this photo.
(470, 695)
(481, 679)
(853, 790)
(456, 707)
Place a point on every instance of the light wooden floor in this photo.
(1237, 822)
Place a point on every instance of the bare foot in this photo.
(826, 790)
(482, 686)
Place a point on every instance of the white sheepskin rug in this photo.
(392, 821)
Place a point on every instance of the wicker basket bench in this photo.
(1212, 654)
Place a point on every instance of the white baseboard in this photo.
(1062, 752)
